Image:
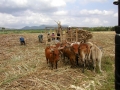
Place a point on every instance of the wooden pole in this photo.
(70, 35)
(46, 35)
(76, 35)
(61, 39)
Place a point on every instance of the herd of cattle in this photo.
(84, 54)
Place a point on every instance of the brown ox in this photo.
(74, 49)
(71, 52)
(52, 56)
(84, 51)
(67, 52)
(47, 53)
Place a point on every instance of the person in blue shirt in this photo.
(22, 41)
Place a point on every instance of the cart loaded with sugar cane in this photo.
(70, 34)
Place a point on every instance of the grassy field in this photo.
(21, 31)
(25, 68)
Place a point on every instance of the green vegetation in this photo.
(21, 31)
(42, 30)
(99, 28)
(108, 66)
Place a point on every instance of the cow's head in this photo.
(84, 48)
(56, 53)
(74, 48)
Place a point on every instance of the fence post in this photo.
(76, 31)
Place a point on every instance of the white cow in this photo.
(95, 55)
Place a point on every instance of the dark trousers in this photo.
(22, 42)
(41, 40)
(58, 38)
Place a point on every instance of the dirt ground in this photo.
(25, 68)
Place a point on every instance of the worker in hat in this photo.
(68, 29)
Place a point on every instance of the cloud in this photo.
(60, 13)
(28, 18)
(57, 3)
(115, 15)
(95, 21)
(94, 0)
(19, 2)
(90, 1)
(104, 21)
(95, 12)
(20, 13)
(8, 20)
(14, 6)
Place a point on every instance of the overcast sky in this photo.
(20, 13)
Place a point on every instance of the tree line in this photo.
(99, 28)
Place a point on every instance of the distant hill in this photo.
(40, 27)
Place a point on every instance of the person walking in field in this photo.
(40, 37)
(22, 41)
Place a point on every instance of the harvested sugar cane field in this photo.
(24, 67)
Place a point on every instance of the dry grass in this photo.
(25, 68)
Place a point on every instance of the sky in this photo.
(75, 13)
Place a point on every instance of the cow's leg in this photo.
(94, 64)
(83, 60)
(63, 58)
(67, 60)
(76, 58)
(56, 64)
(61, 55)
(71, 62)
(87, 61)
(83, 66)
(99, 65)
(47, 60)
(52, 65)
